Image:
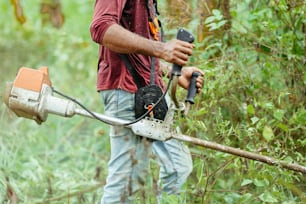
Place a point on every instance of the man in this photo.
(122, 27)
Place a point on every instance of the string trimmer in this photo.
(31, 95)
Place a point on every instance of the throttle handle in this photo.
(186, 36)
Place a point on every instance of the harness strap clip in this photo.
(149, 107)
(154, 28)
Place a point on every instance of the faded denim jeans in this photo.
(130, 155)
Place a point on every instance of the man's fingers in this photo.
(178, 52)
(182, 54)
(199, 83)
(182, 58)
(180, 62)
(185, 47)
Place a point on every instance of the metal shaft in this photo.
(241, 153)
(102, 117)
(207, 144)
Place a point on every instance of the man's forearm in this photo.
(120, 40)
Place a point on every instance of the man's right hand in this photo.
(177, 52)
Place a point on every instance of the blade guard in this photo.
(22, 95)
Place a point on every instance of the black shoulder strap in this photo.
(137, 79)
(155, 6)
(152, 74)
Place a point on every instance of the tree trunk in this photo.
(51, 11)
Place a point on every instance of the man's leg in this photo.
(175, 164)
(129, 160)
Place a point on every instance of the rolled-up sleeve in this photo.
(106, 13)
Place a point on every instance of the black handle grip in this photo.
(186, 36)
(192, 90)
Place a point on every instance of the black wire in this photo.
(149, 111)
(82, 106)
(100, 119)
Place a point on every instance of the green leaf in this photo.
(268, 197)
(216, 12)
(246, 182)
(213, 26)
(251, 110)
(268, 105)
(221, 23)
(210, 19)
(283, 127)
(254, 120)
(246, 197)
(303, 142)
(268, 133)
(278, 114)
(259, 183)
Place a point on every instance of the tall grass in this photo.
(61, 156)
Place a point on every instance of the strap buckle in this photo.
(154, 28)
(149, 107)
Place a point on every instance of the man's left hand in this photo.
(184, 79)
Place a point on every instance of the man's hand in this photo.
(184, 79)
(120, 40)
(177, 52)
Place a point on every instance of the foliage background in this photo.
(254, 99)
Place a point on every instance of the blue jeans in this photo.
(130, 155)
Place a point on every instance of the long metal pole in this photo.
(208, 144)
(241, 153)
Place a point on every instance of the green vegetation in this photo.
(253, 99)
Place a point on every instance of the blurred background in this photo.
(253, 54)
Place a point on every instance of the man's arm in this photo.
(119, 39)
